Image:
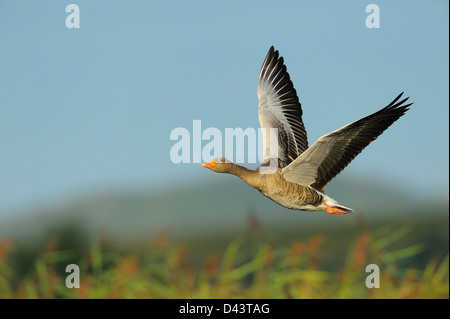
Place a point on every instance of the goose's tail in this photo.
(332, 207)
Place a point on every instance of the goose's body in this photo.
(301, 172)
(277, 188)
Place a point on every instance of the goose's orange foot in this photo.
(334, 210)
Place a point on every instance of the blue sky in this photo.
(87, 109)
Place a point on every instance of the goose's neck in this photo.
(251, 177)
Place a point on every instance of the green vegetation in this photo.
(254, 265)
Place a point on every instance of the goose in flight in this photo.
(301, 172)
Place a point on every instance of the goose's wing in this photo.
(280, 108)
(331, 153)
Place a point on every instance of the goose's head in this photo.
(219, 165)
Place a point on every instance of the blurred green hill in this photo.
(220, 209)
(225, 240)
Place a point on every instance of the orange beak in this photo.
(210, 165)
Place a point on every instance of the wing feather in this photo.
(331, 153)
(280, 108)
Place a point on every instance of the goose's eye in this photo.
(218, 160)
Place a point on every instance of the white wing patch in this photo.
(303, 170)
(273, 130)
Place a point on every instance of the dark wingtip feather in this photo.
(406, 107)
(396, 99)
(400, 103)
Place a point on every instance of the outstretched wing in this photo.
(280, 108)
(331, 153)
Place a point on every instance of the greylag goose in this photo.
(301, 172)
